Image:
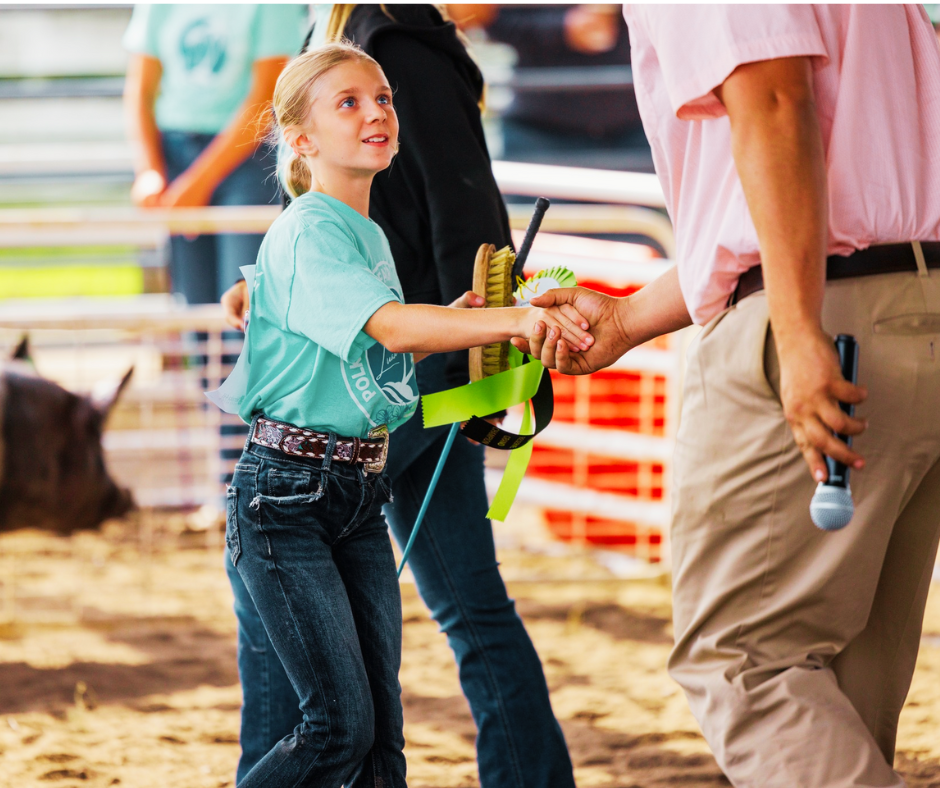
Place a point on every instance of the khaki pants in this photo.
(796, 647)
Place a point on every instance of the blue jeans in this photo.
(519, 741)
(206, 266)
(308, 540)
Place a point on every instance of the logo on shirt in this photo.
(385, 272)
(382, 384)
(202, 48)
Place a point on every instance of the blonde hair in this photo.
(294, 93)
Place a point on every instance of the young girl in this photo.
(330, 375)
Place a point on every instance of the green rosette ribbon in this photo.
(524, 382)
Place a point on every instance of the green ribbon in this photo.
(500, 392)
(490, 395)
(514, 471)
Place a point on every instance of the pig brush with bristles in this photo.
(494, 274)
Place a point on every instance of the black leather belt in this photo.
(886, 259)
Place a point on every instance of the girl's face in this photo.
(352, 125)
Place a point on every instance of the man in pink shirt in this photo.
(799, 144)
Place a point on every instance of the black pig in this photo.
(52, 471)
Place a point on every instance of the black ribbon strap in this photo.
(543, 405)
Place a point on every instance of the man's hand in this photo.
(811, 388)
(604, 315)
(235, 304)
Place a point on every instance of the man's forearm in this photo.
(778, 151)
(654, 310)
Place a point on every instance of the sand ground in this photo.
(117, 667)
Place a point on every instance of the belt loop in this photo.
(251, 430)
(330, 450)
(919, 259)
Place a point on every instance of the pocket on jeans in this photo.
(285, 484)
(231, 525)
(290, 488)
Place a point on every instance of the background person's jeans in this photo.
(309, 541)
(519, 742)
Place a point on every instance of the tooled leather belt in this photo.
(299, 442)
(886, 259)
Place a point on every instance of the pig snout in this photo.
(117, 503)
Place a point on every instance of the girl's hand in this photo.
(561, 322)
(147, 188)
(468, 300)
(235, 304)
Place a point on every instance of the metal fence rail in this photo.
(166, 442)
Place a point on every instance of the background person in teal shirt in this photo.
(199, 84)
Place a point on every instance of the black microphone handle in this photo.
(541, 205)
(847, 348)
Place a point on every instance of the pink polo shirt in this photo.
(877, 81)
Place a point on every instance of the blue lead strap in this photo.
(455, 427)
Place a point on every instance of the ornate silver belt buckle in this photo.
(378, 433)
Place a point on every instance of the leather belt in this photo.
(886, 259)
(299, 442)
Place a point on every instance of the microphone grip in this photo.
(847, 348)
(541, 205)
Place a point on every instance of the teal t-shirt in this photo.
(207, 53)
(322, 272)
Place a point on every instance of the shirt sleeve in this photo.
(698, 46)
(140, 36)
(279, 30)
(333, 292)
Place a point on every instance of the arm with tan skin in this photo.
(778, 151)
(235, 303)
(233, 145)
(617, 324)
(140, 94)
(425, 328)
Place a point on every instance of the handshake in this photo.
(574, 330)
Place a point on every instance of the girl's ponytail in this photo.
(296, 178)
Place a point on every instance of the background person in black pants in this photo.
(437, 203)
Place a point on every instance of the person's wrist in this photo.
(625, 318)
(525, 323)
(793, 330)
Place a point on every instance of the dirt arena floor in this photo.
(117, 667)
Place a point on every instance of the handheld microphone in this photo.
(832, 506)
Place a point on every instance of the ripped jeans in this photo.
(309, 541)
